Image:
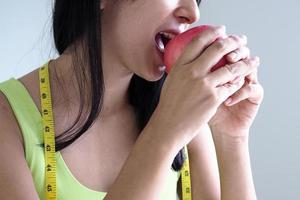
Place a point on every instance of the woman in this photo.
(120, 121)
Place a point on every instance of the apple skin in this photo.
(176, 46)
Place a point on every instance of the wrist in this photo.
(230, 138)
(234, 165)
(233, 139)
(159, 136)
(163, 129)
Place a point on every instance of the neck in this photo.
(116, 83)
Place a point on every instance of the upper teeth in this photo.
(167, 35)
(159, 42)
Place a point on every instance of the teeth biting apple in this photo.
(162, 39)
(175, 47)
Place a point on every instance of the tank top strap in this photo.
(26, 112)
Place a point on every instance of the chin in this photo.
(152, 74)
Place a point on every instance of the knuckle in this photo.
(246, 62)
(247, 50)
(245, 53)
(215, 31)
(201, 43)
(252, 62)
(191, 73)
(232, 69)
(220, 45)
(235, 38)
(205, 82)
(198, 40)
(240, 39)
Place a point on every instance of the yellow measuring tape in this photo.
(49, 141)
(49, 136)
(186, 178)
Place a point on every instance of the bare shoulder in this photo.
(15, 177)
(8, 122)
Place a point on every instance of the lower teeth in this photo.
(162, 68)
(159, 43)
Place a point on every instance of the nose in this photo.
(187, 12)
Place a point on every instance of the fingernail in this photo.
(233, 55)
(228, 101)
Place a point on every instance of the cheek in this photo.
(131, 51)
(135, 43)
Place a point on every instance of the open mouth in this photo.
(162, 39)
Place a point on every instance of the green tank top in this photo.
(30, 122)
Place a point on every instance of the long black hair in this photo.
(80, 21)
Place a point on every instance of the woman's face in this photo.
(129, 28)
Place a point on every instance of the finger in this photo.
(252, 78)
(213, 54)
(251, 92)
(229, 89)
(199, 43)
(239, 54)
(231, 71)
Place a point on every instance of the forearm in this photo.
(234, 168)
(144, 173)
(204, 166)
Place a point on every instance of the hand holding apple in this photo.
(241, 107)
(176, 46)
(191, 94)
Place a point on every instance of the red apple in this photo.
(176, 46)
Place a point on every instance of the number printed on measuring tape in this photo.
(185, 177)
(49, 134)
